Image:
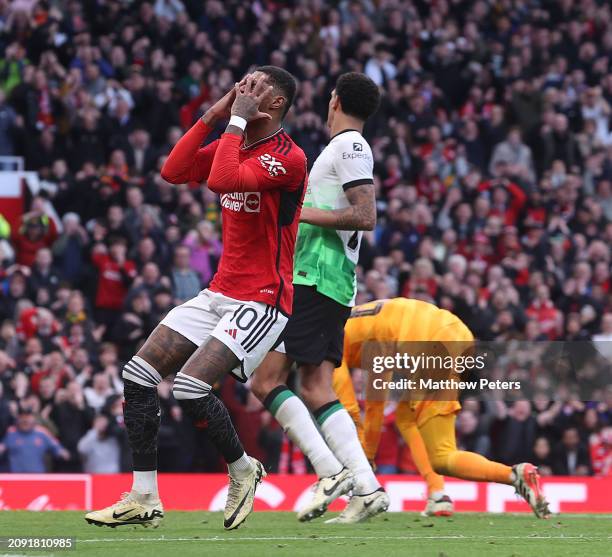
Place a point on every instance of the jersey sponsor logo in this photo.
(356, 156)
(357, 146)
(266, 291)
(248, 201)
(251, 202)
(273, 166)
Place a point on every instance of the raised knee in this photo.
(141, 372)
(186, 387)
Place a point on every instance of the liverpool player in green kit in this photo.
(339, 205)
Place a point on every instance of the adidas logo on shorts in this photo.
(232, 332)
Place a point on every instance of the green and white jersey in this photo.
(324, 257)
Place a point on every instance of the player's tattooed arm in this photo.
(222, 109)
(360, 215)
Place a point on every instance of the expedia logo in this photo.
(354, 155)
(249, 201)
(357, 146)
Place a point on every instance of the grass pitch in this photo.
(278, 534)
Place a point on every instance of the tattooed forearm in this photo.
(361, 215)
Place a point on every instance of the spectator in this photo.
(43, 274)
(6, 417)
(72, 418)
(544, 312)
(205, 250)
(185, 281)
(35, 232)
(68, 249)
(571, 457)
(542, 457)
(517, 433)
(492, 169)
(28, 444)
(115, 274)
(99, 450)
(469, 438)
(141, 156)
(600, 446)
(514, 153)
(135, 325)
(99, 391)
(9, 121)
(603, 339)
(53, 368)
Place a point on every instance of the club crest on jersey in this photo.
(249, 201)
(273, 166)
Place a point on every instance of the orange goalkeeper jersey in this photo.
(401, 320)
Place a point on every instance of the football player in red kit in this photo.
(229, 327)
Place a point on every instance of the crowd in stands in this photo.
(493, 170)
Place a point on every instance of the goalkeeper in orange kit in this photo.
(427, 426)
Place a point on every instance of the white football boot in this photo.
(327, 490)
(440, 506)
(241, 495)
(131, 509)
(362, 507)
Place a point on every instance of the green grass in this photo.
(278, 534)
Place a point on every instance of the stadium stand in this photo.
(493, 152)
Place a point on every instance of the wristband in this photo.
(238, 121)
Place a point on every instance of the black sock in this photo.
(141, 414)
(220, 427)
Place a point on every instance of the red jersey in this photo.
(261, 187)
(112, 280)
(26, 249)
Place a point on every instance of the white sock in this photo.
(437, 495)
(293, 416)
(341, 436)
(241, 468)
(145, 483)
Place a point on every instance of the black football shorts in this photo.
(315, 330)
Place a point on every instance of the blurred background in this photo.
(493, 170)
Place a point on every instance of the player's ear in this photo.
(335, 103)
(277, 102)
